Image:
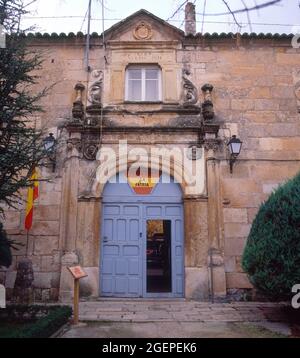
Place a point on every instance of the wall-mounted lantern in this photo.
(50, 149)
(234, 147)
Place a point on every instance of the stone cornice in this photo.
(201, 198)
(89, 198)
(207, 36)
(146, 109)
(131, 129)
(128, 45)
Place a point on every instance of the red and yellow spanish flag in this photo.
(33, 193)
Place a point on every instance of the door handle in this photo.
(105, 239)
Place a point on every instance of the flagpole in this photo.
(27, 243)
(32, 195)
(87, 45)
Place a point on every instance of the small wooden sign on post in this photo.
(2, 297)
(77, 273)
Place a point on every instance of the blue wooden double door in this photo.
(142, 243)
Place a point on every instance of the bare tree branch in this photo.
(248, 15)
(83, 21)
(105, 7)
(230, 11)
(177, 10)
(204, 9)
(257, 7)
(257, 10)
(29, 4)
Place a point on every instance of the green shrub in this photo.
(6, 245)
(48, 319)
(5, 252)
(272, 253)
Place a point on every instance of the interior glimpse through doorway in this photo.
(159, 275)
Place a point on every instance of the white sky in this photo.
(286, 13)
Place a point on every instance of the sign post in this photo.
(77, 273)
(2, 297)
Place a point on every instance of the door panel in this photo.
(111, 210)
(134, 231)
(178, 258)
(121, 268)
(121, 230)
(131, 210)
(158, 256)
(174, 214)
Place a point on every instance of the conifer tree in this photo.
(21, 145)
(272, 253)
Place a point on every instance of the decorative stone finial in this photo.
(78, 108)
(79, 88)
(207, 90)
(207, 105)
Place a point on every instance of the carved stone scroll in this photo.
(89, 150)
(190, 92)
(296, 78)
(96, 88)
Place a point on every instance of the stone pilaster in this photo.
(196, 247)
(68, 225)
(215, 253)
(69, 196)
(66, 286)
(88, 229)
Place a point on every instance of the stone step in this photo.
(121, 310)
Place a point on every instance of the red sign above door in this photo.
(143, 181)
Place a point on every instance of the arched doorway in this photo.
(142, 240)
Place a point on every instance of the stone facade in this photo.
(254, 96)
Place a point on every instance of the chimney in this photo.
(190, 19)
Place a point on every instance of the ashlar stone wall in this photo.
(255, 97)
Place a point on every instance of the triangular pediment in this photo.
(143, 26)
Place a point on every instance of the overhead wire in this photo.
(204, 9)
(85, 16)
(200, 21)
(248, 15)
